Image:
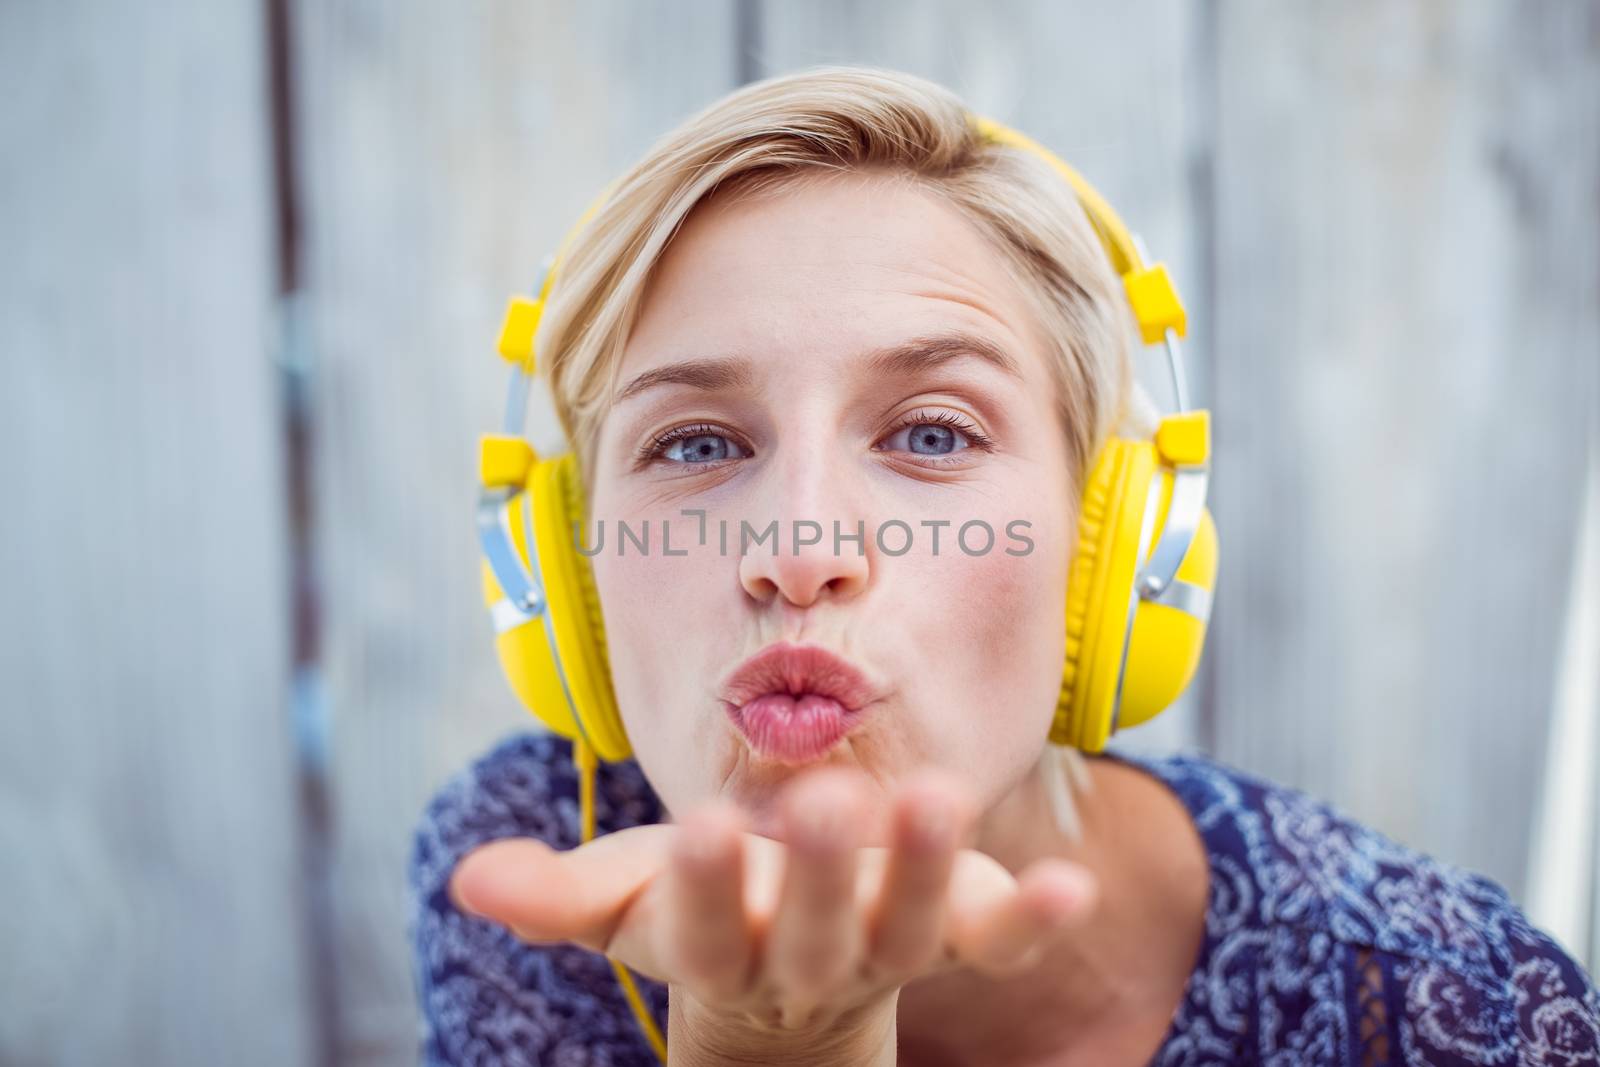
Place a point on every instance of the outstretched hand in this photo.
(787, 936)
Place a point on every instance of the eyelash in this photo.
(976, 438)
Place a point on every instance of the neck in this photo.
(1112, 984)
(1023, 828)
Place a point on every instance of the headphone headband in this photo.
(1150, 291)
(1119, 243)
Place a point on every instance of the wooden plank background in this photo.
(1406, 226)
(150, 888)
(1383, 217)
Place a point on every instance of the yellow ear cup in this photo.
(1104, 564)
(1108, 665)
(1165, 645)
(553, 497)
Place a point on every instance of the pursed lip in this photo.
(788, 667)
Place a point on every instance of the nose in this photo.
(804, 573)
(825, 550)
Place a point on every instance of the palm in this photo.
(725, 914)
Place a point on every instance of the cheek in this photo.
(1011, 616)
(984, 636)
(663, 641)
(646, 615)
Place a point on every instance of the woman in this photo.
(737, 356)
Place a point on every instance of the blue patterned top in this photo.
(1326, 943)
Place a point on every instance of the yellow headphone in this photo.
(1138, 592)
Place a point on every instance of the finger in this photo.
(815, 936)
(1012, 932)
(545, 895)
(705, 938)
(931, 813)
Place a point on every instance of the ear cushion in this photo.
(1100, 583)
(552, 498)
(573, 516)
(574, 610)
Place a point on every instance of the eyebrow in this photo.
(918, 354)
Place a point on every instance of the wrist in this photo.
(698, 1037)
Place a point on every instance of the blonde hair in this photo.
(848, 118)
(768, 134)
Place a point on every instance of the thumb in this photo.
(545, 895)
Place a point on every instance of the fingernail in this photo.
(702, 843)
(932, 823)
(823, 824)
(1066, 907)
(696, 849)
(461, 900)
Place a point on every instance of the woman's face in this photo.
(790, 379)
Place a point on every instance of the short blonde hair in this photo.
(843, 118)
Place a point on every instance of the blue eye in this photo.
(930, 439)
(702, 448)
(936, 434)
(693, 446)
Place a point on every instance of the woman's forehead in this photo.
(833, 269)
(822, 238)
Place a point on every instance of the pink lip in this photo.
(794, 702)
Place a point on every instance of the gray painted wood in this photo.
(446, 152)
(1406, 338)
(149, 891)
